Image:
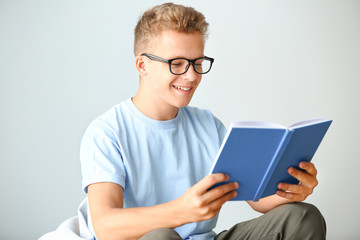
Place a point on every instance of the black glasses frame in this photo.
(159, 59)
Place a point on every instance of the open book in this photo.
(257, 154)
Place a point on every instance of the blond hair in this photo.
(167, 16)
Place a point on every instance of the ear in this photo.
(140, 64)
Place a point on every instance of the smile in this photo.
(182, 88)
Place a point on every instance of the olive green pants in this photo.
(294, 221)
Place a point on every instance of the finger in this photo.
(295, 189)
(217, 204)
(219, 192)
(304, 177)
(208, 181)
(291, 196)
(309, 167)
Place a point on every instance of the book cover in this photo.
(257, 154)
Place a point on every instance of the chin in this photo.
(180, 103)
(184, 104)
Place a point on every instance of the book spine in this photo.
(220, 150)
(273, 163)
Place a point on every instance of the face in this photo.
(161, 86)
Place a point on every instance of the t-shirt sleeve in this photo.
(100, 156)
(221, 129)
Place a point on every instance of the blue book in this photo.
(257, 154)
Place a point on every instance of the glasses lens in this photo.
(178, 66)
(202, 65)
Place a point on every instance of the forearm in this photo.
(132, 223)
(266, 204)
(111, 221)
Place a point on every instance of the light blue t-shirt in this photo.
(154, 161)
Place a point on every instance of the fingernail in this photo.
(303, 164)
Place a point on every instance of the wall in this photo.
(62, 63)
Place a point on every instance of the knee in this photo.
(161, 234)
(304, 211)
(298, 221)
(307, 216)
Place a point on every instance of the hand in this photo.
(200, 204)
(308, 182)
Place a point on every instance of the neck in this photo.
(153, 109)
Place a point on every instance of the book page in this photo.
(256, 124)
(308, 122)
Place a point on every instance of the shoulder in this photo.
(204, 116)
(197, 113)
(204, 124)
(113, 116)
(109, 122)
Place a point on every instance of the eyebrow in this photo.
(186, 57)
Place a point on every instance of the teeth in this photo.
(182, 88)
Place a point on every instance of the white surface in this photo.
(62, 63)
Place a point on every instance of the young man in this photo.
(145, 161)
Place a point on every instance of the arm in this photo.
(111, 221)
(288, 193)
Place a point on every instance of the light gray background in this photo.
(62, 63)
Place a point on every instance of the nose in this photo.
(190, 74)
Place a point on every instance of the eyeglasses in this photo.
(178, 66)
